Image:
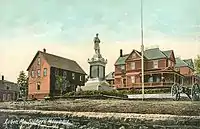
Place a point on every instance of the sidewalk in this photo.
(155, 96)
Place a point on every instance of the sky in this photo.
(67, 28)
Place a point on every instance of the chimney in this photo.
(2, 77)
(44, 50)
(121, 53)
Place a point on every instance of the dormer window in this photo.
(38, 61)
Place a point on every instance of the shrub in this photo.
(118, 93)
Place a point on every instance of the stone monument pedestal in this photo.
(95, 84)
(97, 71)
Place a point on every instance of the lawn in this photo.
(111, 105)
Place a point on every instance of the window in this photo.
(32, 73)
(169, 63)
(65, 74)
(155, 64)
(157, 79)
(73, 76)
(56, 72)
(81, 77)
(38, 86)
(133, 79)
(38, 73)
(4, 97)
(132, 65)
(38, 61)
(150, 79)
(122, 67)
(134, 55)
(9, 97)
(177, 69)
(45, 72)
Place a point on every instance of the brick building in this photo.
(9, 91)
(43, 71)
(186, 68)
(159, 69)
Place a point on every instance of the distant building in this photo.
(110, 78)
(186, 67)
(159, 69)
(9, 91)
(42, 74)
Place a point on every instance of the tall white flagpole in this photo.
(142, 50)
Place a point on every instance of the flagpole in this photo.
(142, 50)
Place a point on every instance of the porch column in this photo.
(161, 78)
(182, 80)
(122, 82)
(152, 78)
(174, 78)
(192, 80)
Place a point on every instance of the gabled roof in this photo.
(154, 53)
(189, 62)
(110, 76)
(150, 54)
(59, 62)
(121, 60)
(167, 53)
(184, 63)
(12, 86)
(180, 63)
(137, 52)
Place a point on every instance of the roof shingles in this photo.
(154, 53)
(121, 60)
(60, 62)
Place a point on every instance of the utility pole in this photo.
(142, 50)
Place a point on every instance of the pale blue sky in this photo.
(63, 26)
(77, 20)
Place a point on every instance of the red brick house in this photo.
(186, 68)
(159, 69)
(42, 73)
(9, 91)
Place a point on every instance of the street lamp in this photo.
(142, 50)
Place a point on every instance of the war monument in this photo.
(97, 63)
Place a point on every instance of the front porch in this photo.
(160, 80)
(164, 79)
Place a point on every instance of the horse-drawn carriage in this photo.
(193, 92)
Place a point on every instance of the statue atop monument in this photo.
(96, 44)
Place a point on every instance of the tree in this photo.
(62, 83)
(197, 64)
(22, 82)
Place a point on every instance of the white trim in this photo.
(132, 73)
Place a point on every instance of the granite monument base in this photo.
(96, 84)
